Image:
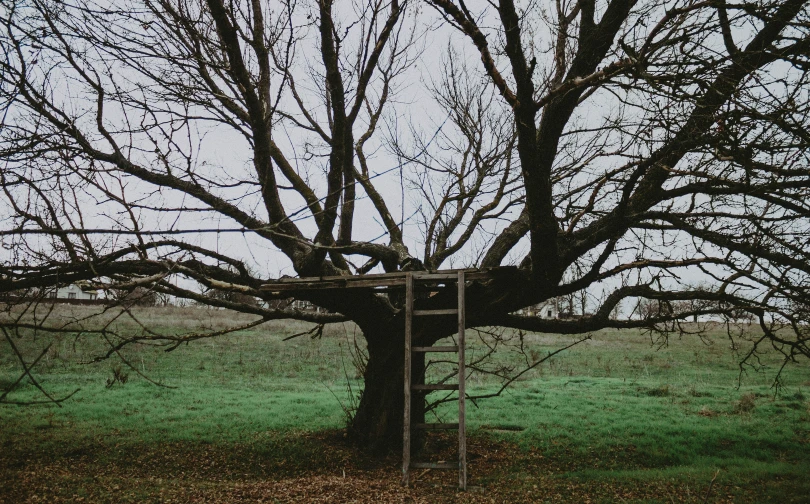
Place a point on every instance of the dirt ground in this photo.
(335, 473)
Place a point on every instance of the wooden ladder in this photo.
(407, 465)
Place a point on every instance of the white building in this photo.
(73, 291)
(548, 309)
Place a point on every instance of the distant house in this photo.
(300, 304)
(79, 291)
(548, 309)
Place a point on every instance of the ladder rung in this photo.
(434, 276)
(434, 465)
(434, 349)
(451, 311)
(435, 387)
(435, 426)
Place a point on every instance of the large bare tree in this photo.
(651, 152)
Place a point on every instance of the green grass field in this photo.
(250, 417)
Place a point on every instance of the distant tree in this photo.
(137, 296)
(628, 148)
(232, 297)
(654, 309)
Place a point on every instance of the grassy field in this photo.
(251, 418)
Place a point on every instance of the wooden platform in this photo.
(396, 279)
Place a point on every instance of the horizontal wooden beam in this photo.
(434, 387)
(435, 426)
(396, 279)
(444, 275)
(451, 311)
(434, 465)
(435, 349)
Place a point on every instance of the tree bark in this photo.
(378, 422)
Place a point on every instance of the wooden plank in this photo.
(434, 465)
(435, 349)
(380, 277)
(435, 426)
(432, 386)
(305, 284)
(451, 311)
(406, 428)
(462, 425)
(420, 277)
(396, 278)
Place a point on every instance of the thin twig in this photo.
(711, 484)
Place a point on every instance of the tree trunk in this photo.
(378, 421)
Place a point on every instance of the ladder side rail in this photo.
(406, 425)
(462, 426)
